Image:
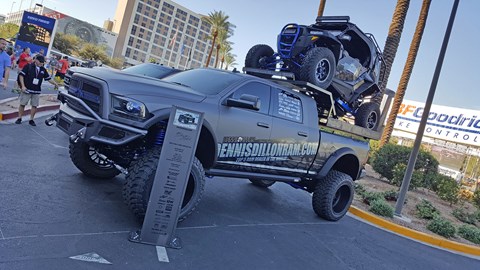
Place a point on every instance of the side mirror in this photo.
(245, 101)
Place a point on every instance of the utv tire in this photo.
(89, 162)
(368, 116)
(139, 181)
(262, 183)
(319, 67)
(256, 58)
(333, 195)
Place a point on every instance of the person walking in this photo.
(5, 64)
(24, 58)
(64, 65)
(30, 80)
(52, 65)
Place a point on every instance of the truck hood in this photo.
(124, 84)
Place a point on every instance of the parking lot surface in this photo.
(50, 212)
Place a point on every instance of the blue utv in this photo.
(334, 54)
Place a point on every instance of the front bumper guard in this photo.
(91, 127)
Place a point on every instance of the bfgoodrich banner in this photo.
(36, 32)
(446, 123)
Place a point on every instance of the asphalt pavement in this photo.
(51, 214)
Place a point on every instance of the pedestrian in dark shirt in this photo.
(30, 80)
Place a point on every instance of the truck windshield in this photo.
(205, 81)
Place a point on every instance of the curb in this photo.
(419, 236)
(14, 114)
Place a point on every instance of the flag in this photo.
(190, 54)
(174, 38)
(182, 49)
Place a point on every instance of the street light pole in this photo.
(11, 9)
(425, 113)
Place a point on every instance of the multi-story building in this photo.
(161, 31)
(2, 18)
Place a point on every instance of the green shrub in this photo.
(441, 227)
(390, 195)
(416, 181)
(465, 217)
(369, 197)
(448, 189)
(381, 208)
(470, 233)
(359, 189)
(426, 210)
(476, 197)
(374, 146)
(385, 159)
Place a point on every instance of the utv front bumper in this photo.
(91, 127)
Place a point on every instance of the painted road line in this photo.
(90, 257)
(52, 144)
(420, 236)
(282, 224)
(162, 254)
(83, 234)
(1, 233)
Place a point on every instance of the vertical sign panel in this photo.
(171, 178)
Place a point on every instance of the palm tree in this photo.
(321, 7)
(391, 44)
(226, 48)
(230, 60)
(222, 39)
(407, 71)
(218, 21)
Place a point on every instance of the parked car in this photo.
(151, 70)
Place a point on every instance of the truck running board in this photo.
(250, 175)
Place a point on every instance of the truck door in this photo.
(295, 135)
(243, 132)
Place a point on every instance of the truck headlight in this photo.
(129, 107)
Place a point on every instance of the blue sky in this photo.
(259, 21)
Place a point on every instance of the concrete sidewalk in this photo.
(9, 107)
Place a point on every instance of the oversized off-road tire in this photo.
(319, 67)
(141, 173)
(262, 183)
(368, 115)
(89, 162)
(333, 195)
(256, 58)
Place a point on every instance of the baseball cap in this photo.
(40, 58)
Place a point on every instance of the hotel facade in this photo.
(161, 31)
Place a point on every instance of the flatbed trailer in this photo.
(326, 104)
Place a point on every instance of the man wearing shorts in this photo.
(30, 80)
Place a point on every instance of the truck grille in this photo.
(89, 92)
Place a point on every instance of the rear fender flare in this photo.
(344, 160)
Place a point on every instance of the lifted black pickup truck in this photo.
(253, 128)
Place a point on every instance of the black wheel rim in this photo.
(341, 199)
(97, 158)
(322, 70)
(372, 120)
